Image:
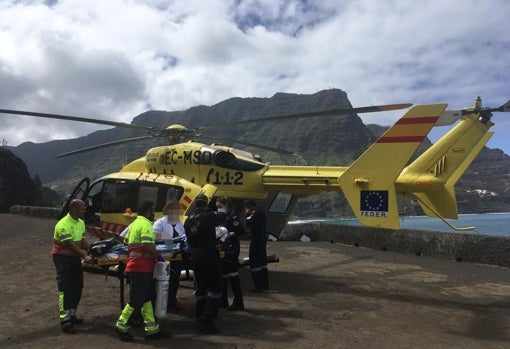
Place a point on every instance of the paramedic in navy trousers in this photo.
(228, 236)
(201, 234)
(256, 220)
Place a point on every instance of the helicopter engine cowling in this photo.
(224, 158)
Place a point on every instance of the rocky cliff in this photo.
(18, 188)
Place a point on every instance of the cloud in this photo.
(114, 59)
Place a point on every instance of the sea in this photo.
(497, 224)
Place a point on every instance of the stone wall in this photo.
(474, 248)
(35, 211)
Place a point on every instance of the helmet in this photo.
(201, 200)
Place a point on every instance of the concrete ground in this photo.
(322, 294)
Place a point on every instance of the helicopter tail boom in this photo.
(369, 183)
(431, 177)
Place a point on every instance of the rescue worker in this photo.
(222, 208)
(142, 256)
(168, 228)
(201, 235)
(69, 248)
(256, 220)
(228, 234)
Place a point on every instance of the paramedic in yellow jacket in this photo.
(69, 248)
(142, 255)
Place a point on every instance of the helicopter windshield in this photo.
(116, 196)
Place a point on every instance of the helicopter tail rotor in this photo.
(451, 116)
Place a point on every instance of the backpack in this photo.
(191, 228)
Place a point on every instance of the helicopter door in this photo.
(94, 204)
(80, 192)
(279, 207)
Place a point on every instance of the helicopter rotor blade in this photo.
(75, 118)
(155, 132)
(254, 145)
(506, 106)
(103, 145)
(503, 108)
(331, 112)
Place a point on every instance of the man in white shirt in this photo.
(168, 228)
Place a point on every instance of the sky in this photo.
(118, 58)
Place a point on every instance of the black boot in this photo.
(265, 278)
(258, 282)
(210, 311)
(238, 303)
(124, 336)
(67, 326)
(77, 321)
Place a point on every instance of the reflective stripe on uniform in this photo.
(64, 237)
(122, 322)
(214, 295)
(59, 248)
(62, 251)
(258, 268)
(64, 314)
(138, 254)
(235, 273)
(151, 326)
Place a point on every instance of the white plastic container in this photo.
(162, 276)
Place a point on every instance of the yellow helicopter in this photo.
(181, 171)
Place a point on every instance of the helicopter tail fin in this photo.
(437, 170)
(369, 183)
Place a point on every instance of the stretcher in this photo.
(118, 256)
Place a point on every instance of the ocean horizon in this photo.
(497, 224)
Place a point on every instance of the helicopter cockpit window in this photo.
(174, 193)
(280, 203)
(115, 196)
(148, 193)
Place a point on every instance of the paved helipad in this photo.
(323, 295)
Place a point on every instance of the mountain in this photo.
(321, 141)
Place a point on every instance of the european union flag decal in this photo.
(374, 203)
